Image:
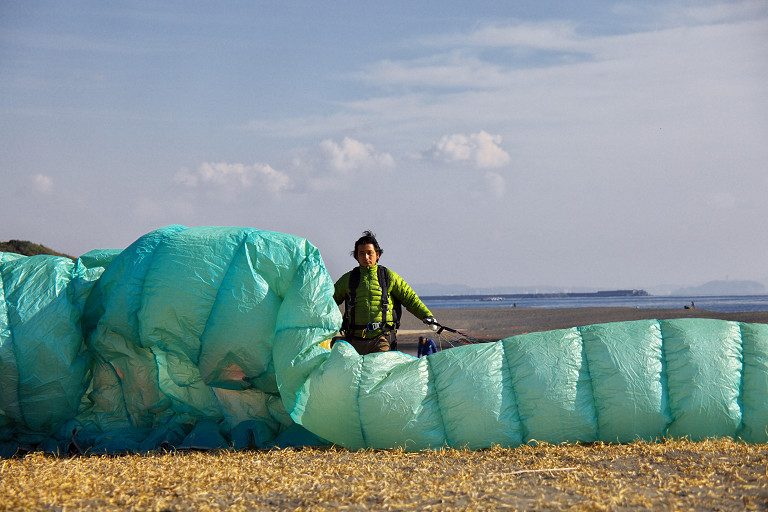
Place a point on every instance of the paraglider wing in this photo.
(212, 336)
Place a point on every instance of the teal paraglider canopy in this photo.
(212, 336)
(129, 350)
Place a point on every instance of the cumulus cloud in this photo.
(336, 165)
(42, 184)
(351, 155)
(480, 149)
(235, 176)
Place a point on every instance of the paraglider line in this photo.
(457, 338)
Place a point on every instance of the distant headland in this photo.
(549, 295)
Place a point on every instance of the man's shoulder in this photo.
(391, 272)
(347, 277)
(393, 276)
(343, 278)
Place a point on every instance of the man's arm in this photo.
(407, 297)
(341, 289)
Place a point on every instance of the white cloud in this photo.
(186, 178)
(454, 70)
(477, 76)
(464, 62)
(480, 149)
(548, 35)
(326, 166)
(351, 156)
(42, 184)
(690, 13)
(336, 165)
(235, 176)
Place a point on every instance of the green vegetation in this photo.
(26, 248)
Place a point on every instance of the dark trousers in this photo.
(382, 343)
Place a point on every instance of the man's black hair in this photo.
(367, 238)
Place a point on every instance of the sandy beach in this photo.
(502, 323)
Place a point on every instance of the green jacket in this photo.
(368, 299)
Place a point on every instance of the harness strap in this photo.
(349, 304)
(348, 326)
(383, 277)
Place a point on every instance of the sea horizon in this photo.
(719, 303)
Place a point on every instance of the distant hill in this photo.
(26, 248)
(434, 289)
(727, 287)
(724, 288)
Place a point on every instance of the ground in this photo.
(669, 475)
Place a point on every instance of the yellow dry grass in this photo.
(670, 475)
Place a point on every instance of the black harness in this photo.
(348, 327)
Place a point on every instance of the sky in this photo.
(486, 143)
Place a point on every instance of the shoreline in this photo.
(502, 323)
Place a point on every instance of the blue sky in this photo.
(606, 144)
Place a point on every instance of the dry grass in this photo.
(671, 475)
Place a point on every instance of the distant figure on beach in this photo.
(692, 306)
(373, 295)
(427, 346)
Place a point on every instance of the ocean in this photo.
(721, 303)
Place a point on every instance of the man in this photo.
(371, 316)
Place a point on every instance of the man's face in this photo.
(366, 255)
